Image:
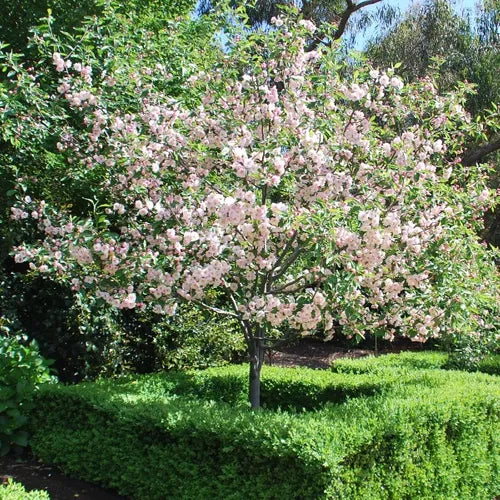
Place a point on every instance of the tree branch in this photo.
(209, 308)
(244, 324)
(215, 309)
(282, 270)
(474, 156)
(288, 245)
(301, 288)
(290, 283)
(344, 19)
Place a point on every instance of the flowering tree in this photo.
(294, 194)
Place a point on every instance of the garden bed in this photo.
(38, 477)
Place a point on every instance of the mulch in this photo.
(315, 353)
(35, 475)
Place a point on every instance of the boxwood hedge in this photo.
(402, 433)
(411, 360)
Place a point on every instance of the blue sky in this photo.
(404, 4)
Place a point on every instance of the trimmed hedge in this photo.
(409, 360)
(287, 389)
(490, 365)
(429, 435)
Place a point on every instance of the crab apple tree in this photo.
(297, 193)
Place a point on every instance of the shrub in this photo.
(87, 339)
(414, 361)
(291, 389)
(16, 491)
(22, 370)
(410, 360)
(194, 339)
(490, 365)
(468, 352)
(432, 436)
(46, 312)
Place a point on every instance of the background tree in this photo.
(469, 50)
(331, 199)
(19, 17)
(84, 338)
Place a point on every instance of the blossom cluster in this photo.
(309, 204)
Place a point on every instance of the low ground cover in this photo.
(399, 433)
(16, 491)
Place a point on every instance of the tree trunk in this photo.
(256, 351)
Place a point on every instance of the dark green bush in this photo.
(470, 352)
(431, 437)
(195, 338)
(85, 338)
(22, 370)
(47, 313)
(490, 365)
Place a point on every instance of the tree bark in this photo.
(476, 155)
(256, 351)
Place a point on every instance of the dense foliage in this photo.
(22, 370)
(403, 434)
(411, 360)
(87, 340)
(84, 338)
(20, 17)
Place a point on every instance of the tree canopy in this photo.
(282, 190)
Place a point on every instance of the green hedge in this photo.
(294, 389)
(409, 360)
(430, 434)
(490, 365)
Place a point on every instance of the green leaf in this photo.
(20, 438)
